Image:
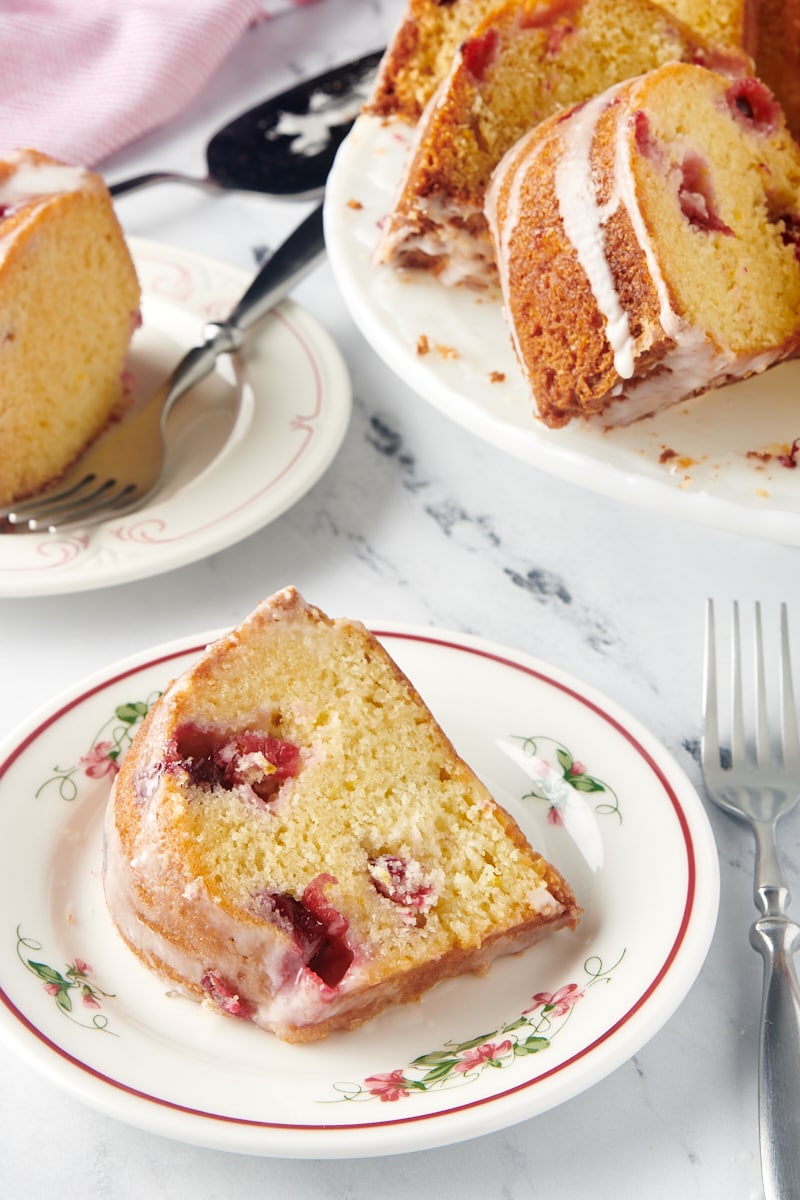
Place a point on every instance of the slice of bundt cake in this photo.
(649, 244)
(419, 54)
(293, 839)
(522, 63)
(421, 51)
(69, 303)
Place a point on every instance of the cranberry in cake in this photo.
(293, 840)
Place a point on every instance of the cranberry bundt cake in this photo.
(293, 839)
(648, 243)
(69, 303)
(522, 63)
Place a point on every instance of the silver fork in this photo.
(761, 786)
(123, 468)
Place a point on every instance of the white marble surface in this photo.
(417, 521)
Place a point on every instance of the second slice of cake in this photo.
(648, 244)
(293, 839)
(69, 305)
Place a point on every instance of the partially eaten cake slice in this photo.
(69, 305)
(293, 839)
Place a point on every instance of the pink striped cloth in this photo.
(83, 78)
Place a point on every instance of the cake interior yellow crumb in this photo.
(376, 780)
(741, 283)
(70, 302)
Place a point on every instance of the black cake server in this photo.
(286, 145)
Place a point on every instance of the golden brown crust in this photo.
(777, 54)
(390, 98)
(551, 304)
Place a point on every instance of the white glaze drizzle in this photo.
(460, 257)
(584, 219)
(31, 179)
(515, 166)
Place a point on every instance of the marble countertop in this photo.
(418, 521)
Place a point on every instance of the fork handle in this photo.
(304, 246)
(776, 938)
(286, 267)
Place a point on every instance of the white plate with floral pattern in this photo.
(244, 445)
(729, 459)
(592, 789)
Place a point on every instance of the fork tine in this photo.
(709, 741)
(738, 745)
(762, 746)
(789, 743)
(761, 797)
(19, 512)
(93, 509)
(69, 503)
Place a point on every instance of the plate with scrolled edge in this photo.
(724, 460)
(243, 446)
(590, 787)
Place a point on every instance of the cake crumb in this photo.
(677, 461)
(789, 458)
(784, 453)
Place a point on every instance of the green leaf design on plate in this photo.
(458, 1064)
(75, 978)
